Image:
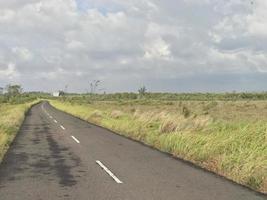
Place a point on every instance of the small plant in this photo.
(168, 127)
(185, 111)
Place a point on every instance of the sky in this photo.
(165, 45)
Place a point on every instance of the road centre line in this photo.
(109, 172)
(62, 127)
(55, 121)
(74, 138)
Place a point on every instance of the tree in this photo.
(13, 90)
(94, 85)
(142, 91)
(61, 93)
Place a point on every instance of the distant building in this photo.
(56, 94)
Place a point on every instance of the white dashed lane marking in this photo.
(75, 139)
(97, 161)
(108, 172)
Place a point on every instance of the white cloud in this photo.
(75, 45)
(197, 2)
(68, 41)
(256, 21)
(22, 53)
(6, 15)
(247, 23)
(157, 49)
(10, 72)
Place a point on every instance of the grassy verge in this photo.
(228, 138)
(11, 117)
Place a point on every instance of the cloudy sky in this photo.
(167, 45)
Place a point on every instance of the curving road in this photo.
(57, 156)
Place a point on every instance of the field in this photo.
(11, 117)
(226, 137)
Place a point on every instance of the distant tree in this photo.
(1, 90)
(61, 93)
(142, 91)
(13, 90)
(94, 85)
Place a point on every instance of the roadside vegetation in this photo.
(226, 137)
(13, 106)
(143, 94)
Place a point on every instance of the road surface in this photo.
(57, 156)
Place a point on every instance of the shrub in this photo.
(168, 126)
(185, 111)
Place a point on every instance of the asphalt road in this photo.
(57, 156)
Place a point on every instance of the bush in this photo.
(185, 111)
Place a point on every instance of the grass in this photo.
(226, 137)
(232, 96)
(11, 117)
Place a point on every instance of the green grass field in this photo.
(226, 137)
(11, 117)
